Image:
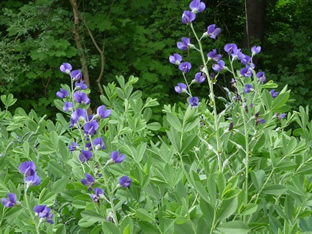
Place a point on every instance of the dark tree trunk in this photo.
(254, 27)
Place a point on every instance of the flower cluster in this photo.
(43, 212)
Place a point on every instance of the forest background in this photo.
(136, 37)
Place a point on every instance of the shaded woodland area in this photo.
(109, 38)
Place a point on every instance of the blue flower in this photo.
(200, 77)
(212, 31)
(68, 106)
(184, 44)
(116, 157)
(193, 101)
(175, 59)
(248, 88)
(181, 87)
(188, 17)
(43, 212)
(98, 193)
(98, 143)
(214, 55)
(125, 181)
(89, 181)
(261, 77)
(230, 48)
(90, 128)
(66, 68)
(185, 67)
(255, 50)
(85, 156)
(81, 97)
(81, 85)
(76, 75)
(63, 93)
(77, 115)
(273, 93)
(103, 112)
(197, 6)
(218, 66)
(10, 202)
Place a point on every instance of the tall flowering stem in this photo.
(212, 98)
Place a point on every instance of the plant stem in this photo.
(212, 98)
(30, 212)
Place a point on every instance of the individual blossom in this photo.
(80, 85)
(85, 156)
(218, 66)
(230, 48)
(214, 55)
(81, 97)
(43, 212)
(90, 128)
(255, 50)
(281, 116)
(88, 146)
(200, 77)
(68, 106)
(245, 59)
(248, 88)
(185, 67)
(73, 146)
(184, 44)
(29, 170)
(197, 6)
(246, 72)
(175, 59)
(89, 181)
(63, 93)
(99, 143)
(116, 157)
(180, 88)
(233, 82)
(188, 17)
(103, 112)
(273, 93)
(10, 201)
(237, 53)
(66, 68)
(193, 101)
(76, 75)
(78, 115)
(212, 31)
(260, 121)
(98, 193)
(125, 181)
(261, 77)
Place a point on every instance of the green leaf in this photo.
(143, 215)
(92, 216)
(249, 209)
(185, 228)
(227, 208)
(257, 178)
(60, 185)
(110, 228)
(274, 189)
(174, 121)
(234, 227)
(279, 101)
(149, 228)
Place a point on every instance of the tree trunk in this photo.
(254, 28)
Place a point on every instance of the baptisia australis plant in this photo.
(76, 104)
(249, 109)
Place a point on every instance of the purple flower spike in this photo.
(99, 143)
(25, 167)
(193, 101)
(89, 181)
(184, 44)
(214, 55)
(76, 75)
(197, 6)
(188, 17)
(200, 77)
(255, 50)
(248, 88)
(116, 157)
(273, 93)
(261, 77)
(218, 66)
(98, 193)
(66, 68)
(246, 72)
(91, 127)
(125, 181)
(73, 146)
(62, 93)
(212, 31)
(81, 85)
(230, 48)
(10, 202)
(103, 112)
(77, 115)
(185, 67)
(85, 156)
(180, 88)
(81, 97)
(68, 106)
(175, 59)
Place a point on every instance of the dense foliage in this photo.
(226, 155)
